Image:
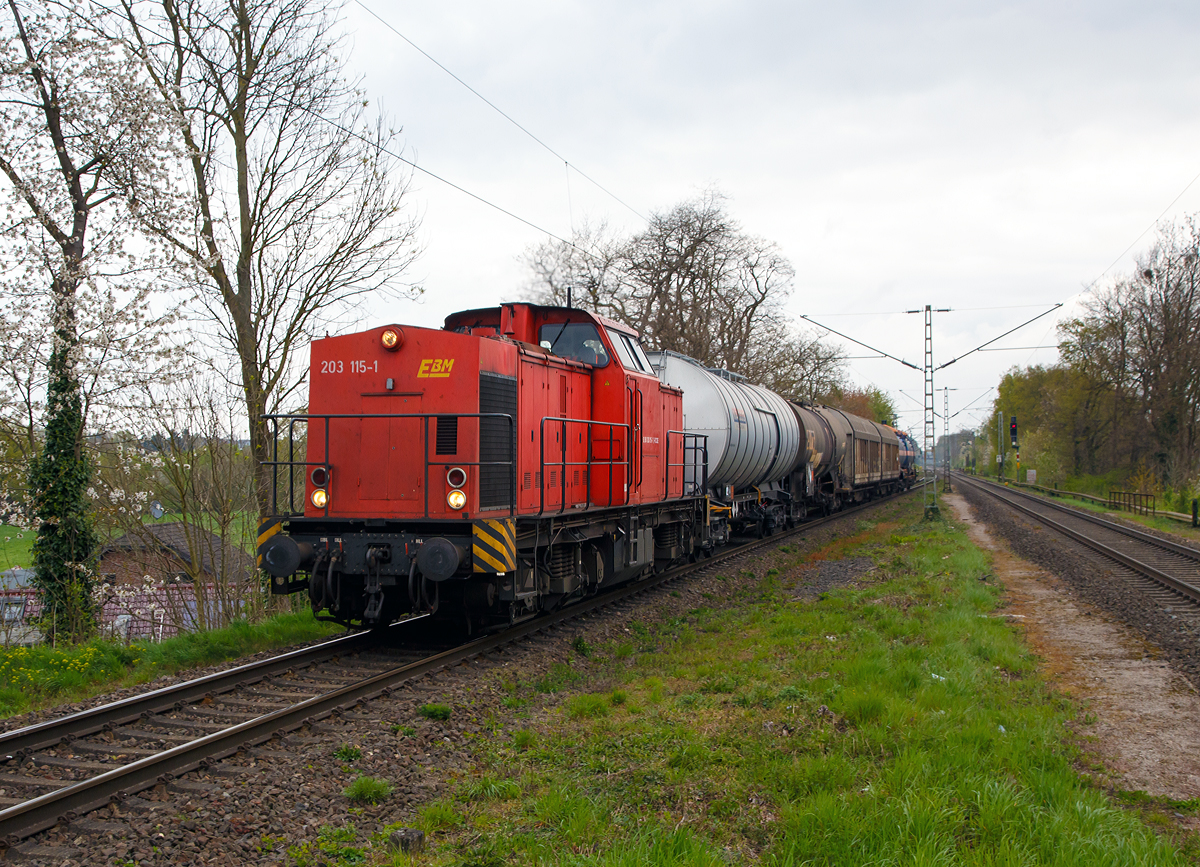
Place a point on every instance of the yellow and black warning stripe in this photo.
(494, 545)
(267, 528)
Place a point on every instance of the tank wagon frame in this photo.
(524, 456)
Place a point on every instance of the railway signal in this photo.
(1012, 429)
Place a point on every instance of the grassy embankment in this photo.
(896, 722)
(35, 677)
(1165, 525)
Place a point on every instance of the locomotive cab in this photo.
(441, 467)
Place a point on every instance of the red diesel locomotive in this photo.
(523, 456)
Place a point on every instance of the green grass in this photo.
(331, 848)
(40, 676)
(368, 790)
(435, 711)
(16, 547)
(895, 723)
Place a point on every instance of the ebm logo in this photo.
(435, 368)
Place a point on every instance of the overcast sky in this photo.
(989, 155)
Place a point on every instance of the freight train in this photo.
(525, 456)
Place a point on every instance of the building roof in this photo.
(16, 578)
(218, 558)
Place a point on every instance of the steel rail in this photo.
(71, 801)
(1182, 587)
(1175, 547)
(22, 742)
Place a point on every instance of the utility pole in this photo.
(946, 435)
(1000, 447)
(930, 486)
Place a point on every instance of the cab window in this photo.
(630, 351)
(579, 341)
(622, 349)
(640, 354)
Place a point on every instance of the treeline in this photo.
(694, 282)
(1122, 402)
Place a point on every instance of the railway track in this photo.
(1167, 572)
(57, 771)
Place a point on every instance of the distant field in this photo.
(15, 547)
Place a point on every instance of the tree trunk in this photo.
(64, 550)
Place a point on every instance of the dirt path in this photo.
(1146, 732)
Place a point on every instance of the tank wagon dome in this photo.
(753, 435)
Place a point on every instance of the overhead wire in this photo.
(1144, 231)
(956, 309)
(859, 342)
(984, 347)
(415, 166)
(498, 110)
(972, 403)
(994, 339)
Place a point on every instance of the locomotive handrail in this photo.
(564, 463)
(633, 430)
(306, 418)
(641, 420)
(698, 450)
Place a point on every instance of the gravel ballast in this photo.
(1092, 576)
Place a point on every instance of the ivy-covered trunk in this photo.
(63, 555)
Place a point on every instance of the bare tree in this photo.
(294, 204)
(687, 286)
(693, 282)
(796, 364)
(585, 269)
(185, 455)
(76, 126)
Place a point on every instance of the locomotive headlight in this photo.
(391, 338)
(456, 500)
(320, 498)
